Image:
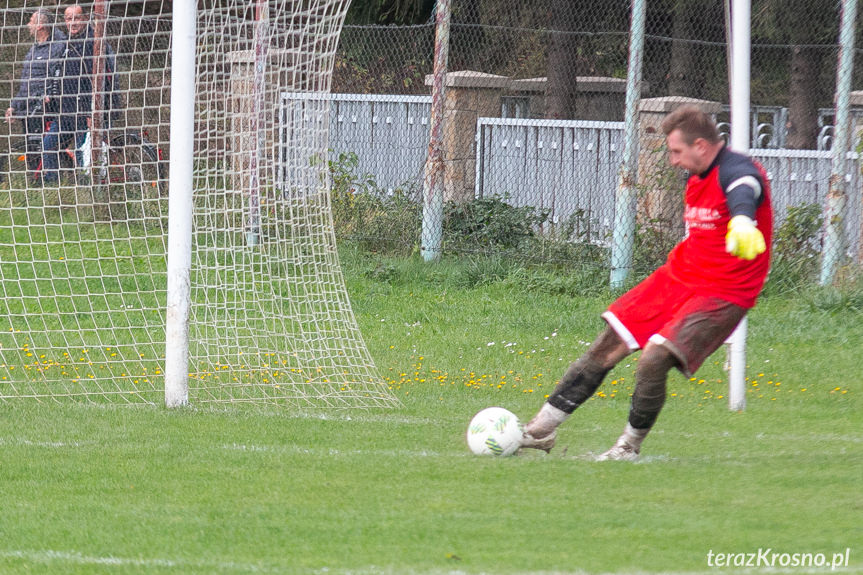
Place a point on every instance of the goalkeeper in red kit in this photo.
(688, 307)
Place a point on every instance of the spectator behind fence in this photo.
(30, 103)
(73, 81)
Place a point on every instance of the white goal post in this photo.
(739, 66)
(129, 282)
(180, 204)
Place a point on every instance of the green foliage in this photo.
(578, 227)
(389, 11)
(362, 73)
(547, 248)
(491, 222)
(798, 233)
(506, 242)
(796, 21)
(470, 271)
(346, 180)
(653, 240)
(381, 221)
(523, 235)
(845, 296)
(389, 222)
(796, 250)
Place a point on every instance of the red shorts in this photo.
(666, 312)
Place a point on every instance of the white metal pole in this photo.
(740, 54)
(737, 367)
(740, 80)
(184, 16)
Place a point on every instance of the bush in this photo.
(797, 236)
(842, 298)
(489, 223)
(653, 240)
(796, 250)
(380, 221)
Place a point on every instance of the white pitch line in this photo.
(48, 556)
(76, 558)
(51, 444)
(331, 451)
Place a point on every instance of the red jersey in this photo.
(700, 260)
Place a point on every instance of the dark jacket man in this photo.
(37, 67)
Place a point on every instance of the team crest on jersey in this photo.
(701, 218)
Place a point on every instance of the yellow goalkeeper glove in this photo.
(743, 239)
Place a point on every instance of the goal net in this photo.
(84, 218)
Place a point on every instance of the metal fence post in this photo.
(834, 209)
(627, 193)
(433, 182)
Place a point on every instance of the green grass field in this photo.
(88, 489)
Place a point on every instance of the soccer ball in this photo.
(494, 431)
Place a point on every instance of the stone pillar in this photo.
(242, 137)
(467, 96)
(660, 203)
(243, 128)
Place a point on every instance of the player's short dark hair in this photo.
(693, 123)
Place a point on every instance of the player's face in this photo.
(683, 155)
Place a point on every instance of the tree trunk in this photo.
(802, 131)
(560, 87)
(681, 75)
(807, 25)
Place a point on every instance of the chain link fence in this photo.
(534, 110)
(534, 116)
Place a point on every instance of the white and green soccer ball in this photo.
(494, 431)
